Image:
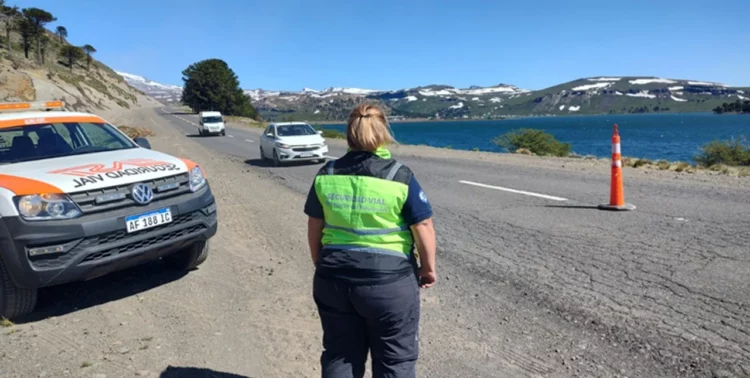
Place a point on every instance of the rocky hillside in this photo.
(596, 95)
(41, 76)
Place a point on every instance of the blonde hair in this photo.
(367, 129)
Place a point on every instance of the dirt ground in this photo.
(249, 311)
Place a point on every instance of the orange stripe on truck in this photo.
(191, 164)
(45, 120)
(23, 186)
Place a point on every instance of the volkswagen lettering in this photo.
(79, 199)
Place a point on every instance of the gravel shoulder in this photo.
(248, 310)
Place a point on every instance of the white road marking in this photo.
(513, 191)
(332, 157)
(249, 141)
(231, 136)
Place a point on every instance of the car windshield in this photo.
(295, 130)
(212, 119)
(48, 141)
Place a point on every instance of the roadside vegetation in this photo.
(737, 107)
(731, 157)
(334, 134)
(535, 141)
(211, 85)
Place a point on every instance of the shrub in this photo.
(136, 132)
(681, 166)
(663, 165)
(730, 152)
(641, 162)
(335, 134)
(536, 141)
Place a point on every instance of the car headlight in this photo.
(282, 145)
(47, 207)
(197, 180)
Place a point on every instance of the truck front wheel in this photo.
(14, 301)
(188, 258)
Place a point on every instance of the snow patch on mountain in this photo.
(411, 98)
(605, 79)
(641, 94)
(457, 106)
(677, 88)
(592, 86)
(649, 81)
(705, 83)
(574, 108)
(132, 79)
(678, 99)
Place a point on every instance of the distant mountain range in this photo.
(594, 95)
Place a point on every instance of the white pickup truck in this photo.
(79, 199)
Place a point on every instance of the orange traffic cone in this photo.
(616, 194)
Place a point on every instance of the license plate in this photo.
(155, 218)
(307, 154)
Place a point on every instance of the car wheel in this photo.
(223, 132)
(14, 301)
(188, 258)
(276, 161)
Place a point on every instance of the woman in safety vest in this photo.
(366, 213)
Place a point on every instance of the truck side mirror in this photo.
(143, 142)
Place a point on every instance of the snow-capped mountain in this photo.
(594, 95)
(165, 93)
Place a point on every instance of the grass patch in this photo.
(136, 132)
(5, 323)
(475, 149)
(85, 364)
(536, 141)
(663, 165)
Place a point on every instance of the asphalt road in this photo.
(663, 289)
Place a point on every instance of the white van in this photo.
(211, 123)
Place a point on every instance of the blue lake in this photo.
(674, 137)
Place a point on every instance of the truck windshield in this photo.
(212, 120)
(294, 130)
(48, 141)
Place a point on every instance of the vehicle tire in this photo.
(276, 161)
(263, 157)
(188, 258)
(224, 132)
(14, 302)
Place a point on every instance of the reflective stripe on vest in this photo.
(363, 214)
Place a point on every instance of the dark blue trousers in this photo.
(382, 319)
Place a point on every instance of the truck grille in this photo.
(114, 197)
(144, 243)
(118, 242)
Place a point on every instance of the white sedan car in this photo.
(292, 141)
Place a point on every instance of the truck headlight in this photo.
(197, 180)
(282, 145)
(47, 207)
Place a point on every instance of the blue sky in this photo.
(389, 44)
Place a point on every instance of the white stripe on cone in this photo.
(616, 148)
